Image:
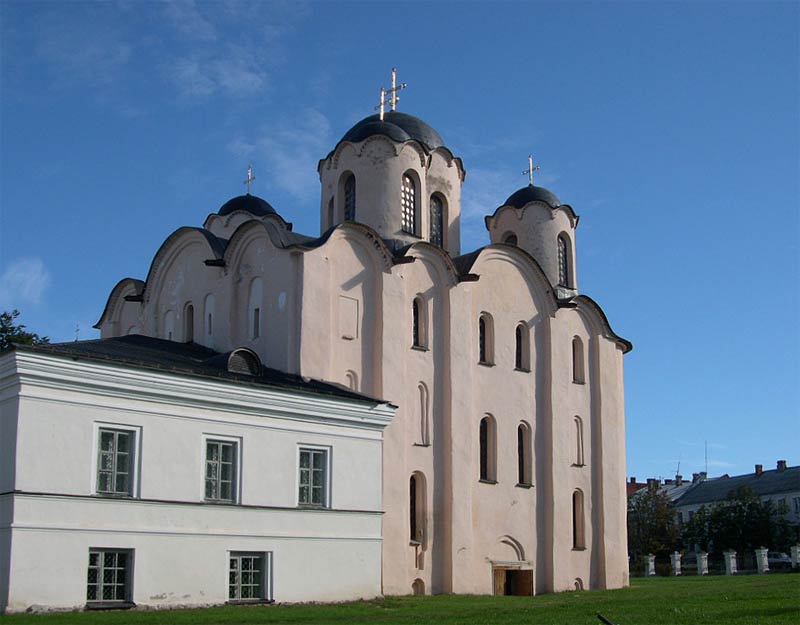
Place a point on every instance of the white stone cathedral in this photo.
(504, 467)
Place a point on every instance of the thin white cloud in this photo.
(187, 19)
(23, 283)
(290, 150)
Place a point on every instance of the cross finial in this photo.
(250, 178)
(531, 169)
(393, 98)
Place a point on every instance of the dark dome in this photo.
(532, 194)
(250, 203)
(396, 126)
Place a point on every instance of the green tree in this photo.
(13, 332)
(742, 522)
(651, 524)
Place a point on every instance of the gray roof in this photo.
(530, 193)
(772, 482)
(250, 203)
(397, 126)
(145, 352)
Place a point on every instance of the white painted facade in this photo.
(51, 513)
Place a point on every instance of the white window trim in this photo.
(328, 474)
(237, 463)
(136, 468)
(267, 584)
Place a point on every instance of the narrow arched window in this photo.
(409, 203)
(419, 323)
(417, 502)
(208, 317)
(254, 308)
(563, 261)
(330, 214)
(437, 221)
(578, 371)
(510, 239)
(522, 357)
(524, 458)
(352, 380)
(188, 323)
(485, 340)
(488, 452)
(424, 415)
(578, 523)
(350, 198)
(169, 325)
(578, 442)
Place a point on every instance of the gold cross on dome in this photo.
(392, 98)
(531, 169)
(250, 178)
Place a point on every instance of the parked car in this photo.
(778, 560)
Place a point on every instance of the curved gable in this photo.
(525, 264)
(592, 312)
(123, 288)
(173, 246)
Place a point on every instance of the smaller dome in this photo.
(250, 203)
(532, 194)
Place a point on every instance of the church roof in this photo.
(397, 126)
(250, 203)
(144, 352)
(530, 193)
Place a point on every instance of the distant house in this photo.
(136, 470)
(780, 485)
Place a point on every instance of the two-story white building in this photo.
(136, 470)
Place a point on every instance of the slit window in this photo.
(437, 221)
(350, 198)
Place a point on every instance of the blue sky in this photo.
(671, 128)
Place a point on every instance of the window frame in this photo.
(437, 220)
(236, 478)
(487, 450)
(326, 488)
(522, 347)
(524, 455)
(134, 469)
(578, 361)
(127, 585)
(419, 323)
(409, 215)
(578, 520)
(486, 340)
(265, 586)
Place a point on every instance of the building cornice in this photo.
(37, 370)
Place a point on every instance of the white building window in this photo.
(115, 454)
(109, 578)
(524, 455)
(417, 513)
(188, 323)
(250, 576)
(487, 460)
(350, 198)
(564, 261)
(522, 351)
(313, 477)
(485, 339)
(221, 460)
(419, 323)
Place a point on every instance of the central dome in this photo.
(397, 126)
(532, 194)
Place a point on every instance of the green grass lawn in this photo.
(675, 601)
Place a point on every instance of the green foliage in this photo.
(744, 600)
(12, 332)
(651, 524)
(743, 523)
